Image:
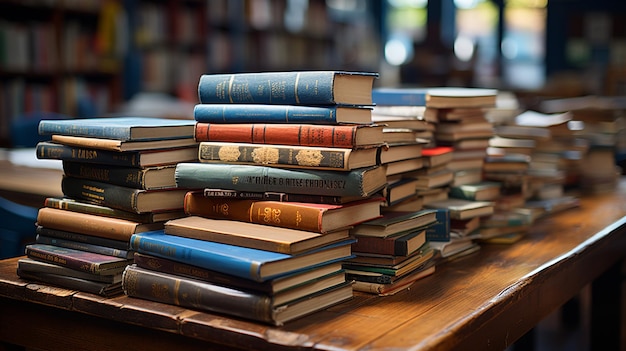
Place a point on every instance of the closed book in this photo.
(77, 259)
(416, 260)
(392, 223)
(507, 163)
(243, 262)
(290, 88)
(456, 136)
(99, 249)
(120, 128)
(123, 198)
(310, 157)
(196, 294)
(105, 211)
(399, 245)
(26, 264)
(319, 218)
(256, 236)
(482, 191)
(121, 145)
(440, 230)
(387, 289)
(74, 283)
(275, 196)
(290, 114)
(463, 209)
(342, 136)
(436, 156)
(121, 245)
(399, 152)
(457, 97)
(272, 286)
(452, 127)
(147, 178)
(386, 96)
(47, 150)
(362, 182)
(400, 190)
(106, 227)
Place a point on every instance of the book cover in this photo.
(275, 196)
(289, 88)
(463, 209)
(47, 150)
(87, 239)
(120, 128)
(99, 249)
(397, 245)
(391, 223)
(319, 218)
(123, 198)
(399, 96)
(190, 293)
(290, 114)
(341, 136)
(362, 182)
(74, 283)
(256, 236)
(243, 262)
(440, 229)
(272, 286)
(121, 145)
(26, 264)
(77, 259)
(289, 156)
(146, 178)
(96, 225)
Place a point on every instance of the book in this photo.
(77, 259)
(401, 244)
(147, 178)
(464, 227)
(123, 198)
(482, 191)
(465, 126)
(73, 283)
(362, 182)
(452, 97)
(391, 288)
(319, 218)
(100, 210)
(395, 222)
(400, 190)
(455, 246)
(243, 262)
(437, 179)
(404, 167)
(121, 145)
(341, 136)
(507, 163)
(290, 114)
(99, 249)
(290, 88)
(388, 96)
(120, 128)
(252, 235)
(47, 150)
(96, 225)
(463, 209)
(398, 152)
(276, 196)
(310, 157)
(196, 294)
(272, 286)
(435, 156)
(413, 262)
(444, 138)
(87, 239)
(440, 229)
(26, 264)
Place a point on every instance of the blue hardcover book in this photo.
(120, 128)
(399, 96)
(243, 262)
(361, 182)
(440, 230)
(291, 114)
(288, 88)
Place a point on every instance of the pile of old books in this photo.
(288, 163)
(118, 180)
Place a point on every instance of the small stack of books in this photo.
(288, 163)
(118, 180)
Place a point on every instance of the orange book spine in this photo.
(274, 213)
(280, 134)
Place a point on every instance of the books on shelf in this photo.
(290, 114)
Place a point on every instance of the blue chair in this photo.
(17, 227)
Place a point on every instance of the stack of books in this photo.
(118, 180)
(288, 163)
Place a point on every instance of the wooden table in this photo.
(484, 301)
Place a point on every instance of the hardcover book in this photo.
(190, 293)
(362, 182)
(147, 178)
(243, 262)
(341, 136)
(416, 260)
(96, 225)
(452, 97)
(271, 287)
(435, 156)
(123, 198)
(290, 114)
(47, 150)
(120, 128)
(399, 152)
(121, 145)
(399, 96)
(401, 244)
(77, 259)
(400, 190)
(310, 157)
(87, 239)
(256, 236)
(275, 196)
(482, 191)
(391, 288)
(26, 264)
(74, 283)
(99, 249)
(463, 209)
(395, 222)
(319, 218)
(289, 88)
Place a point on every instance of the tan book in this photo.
(121, 145)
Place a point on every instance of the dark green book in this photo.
(482, 191)
(148, 178)
(26, 264)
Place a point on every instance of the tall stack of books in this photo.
(118, 180)
(288, 163)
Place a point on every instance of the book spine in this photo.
(111, 195)
(68, 261)
(52, 151)
(82, 238)
(50, 127)
(190, 293)
(293, 88)
(123, 176)
(275, 155)
(272, 196)
(440, 230)
(269, 179)
(221, 113)
(383, 246)
(88, 208)
(273, 213)
(102, 250)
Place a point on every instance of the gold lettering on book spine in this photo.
(265, 155)
(228, 153)
(309, 157)
(271, 215)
